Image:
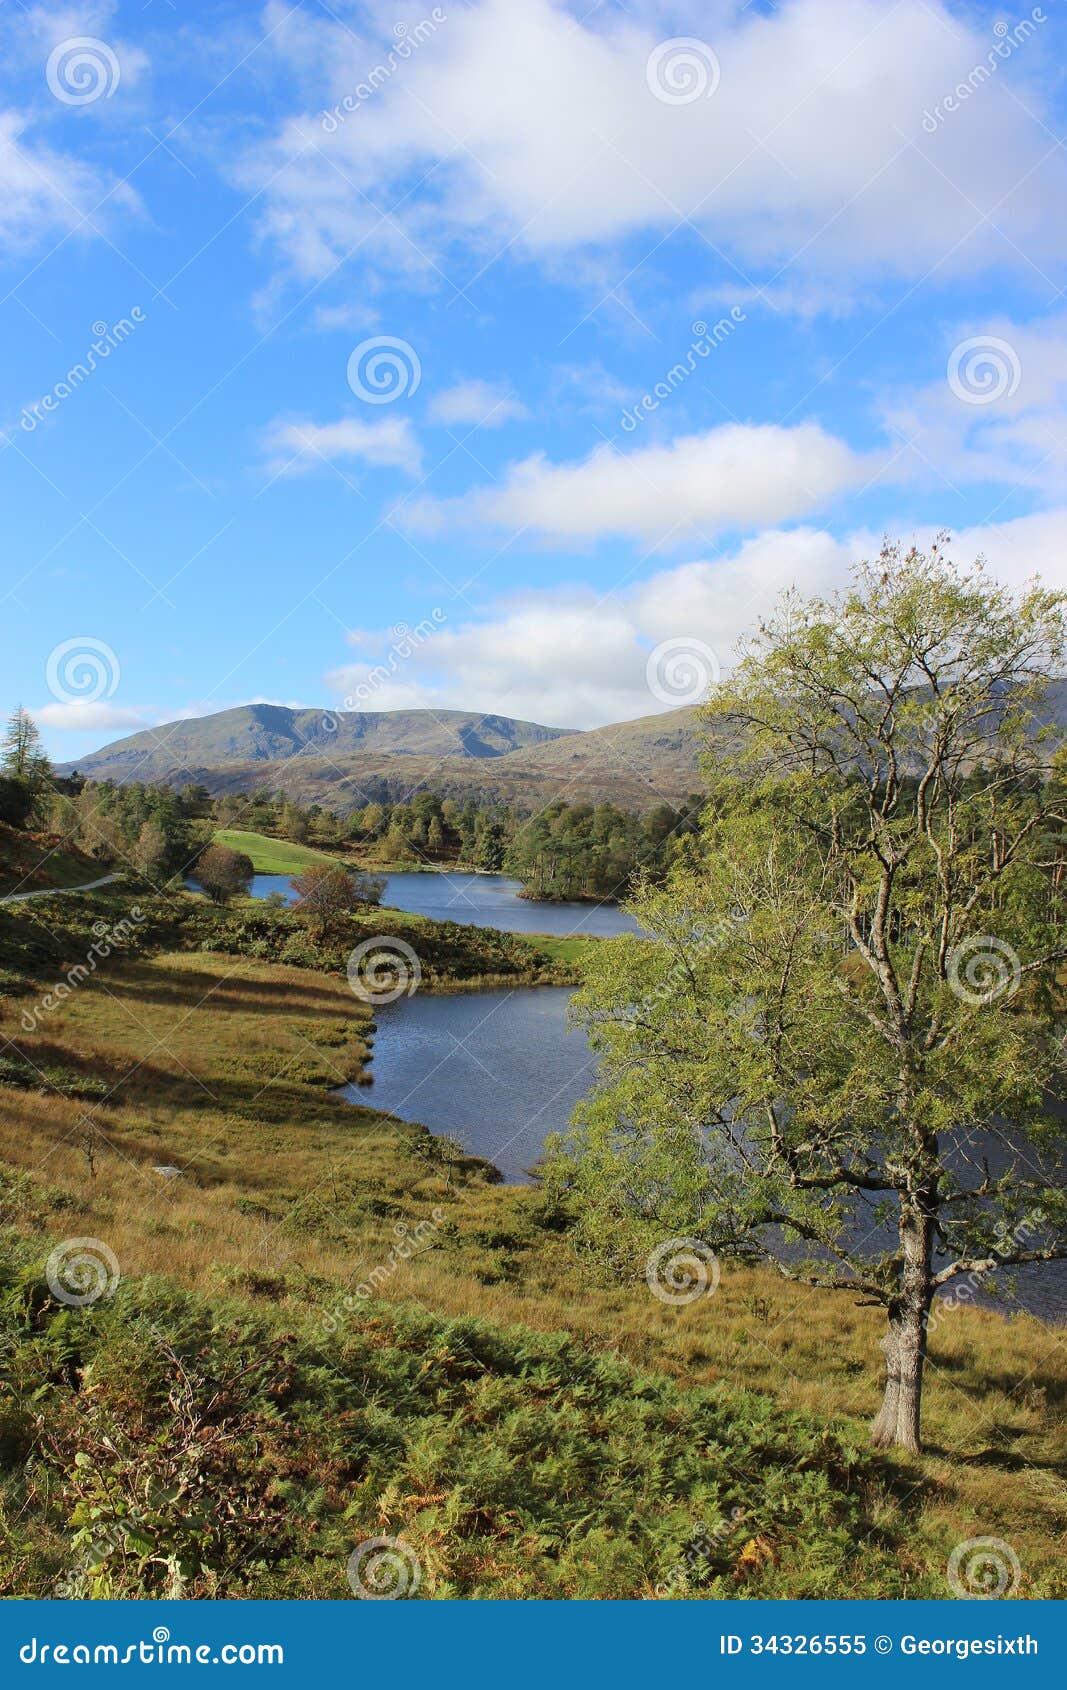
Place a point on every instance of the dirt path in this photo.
(59, 891)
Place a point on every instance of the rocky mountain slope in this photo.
(346, 759)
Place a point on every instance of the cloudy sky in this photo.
(467, 355)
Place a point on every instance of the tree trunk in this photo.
(897, 1424)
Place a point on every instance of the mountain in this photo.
(272, 733)
(346, 759)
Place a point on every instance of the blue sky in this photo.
(672, 307)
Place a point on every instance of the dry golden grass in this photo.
(227, 1068)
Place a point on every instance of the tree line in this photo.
(561, 851)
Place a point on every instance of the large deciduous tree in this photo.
(327, 893)
(841, 1047)
(223, 873)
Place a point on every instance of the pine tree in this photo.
(23, 757)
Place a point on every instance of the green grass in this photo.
(271, 856)
(575, 951)
(213, 1451)
(33, 862)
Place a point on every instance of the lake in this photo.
(500, 1071)
(497, 1070)
(479, 900)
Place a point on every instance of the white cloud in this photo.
(49, 26)
(806, 300)
(353, 314)
(997, 412)
(45, 194)
(570, 657)
(484, 404)
(1015, 551)
(390, 443)
(534, 128)
(728, 477)
(85, 717)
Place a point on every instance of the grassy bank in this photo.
(42, 940)
(342, 1387)
(34, 862)
(271, 856)
(452, 956)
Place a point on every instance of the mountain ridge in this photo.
(346, 759)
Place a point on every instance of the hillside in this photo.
(271, 733)
(346, 760)
(655, 757)
(524, 1424)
